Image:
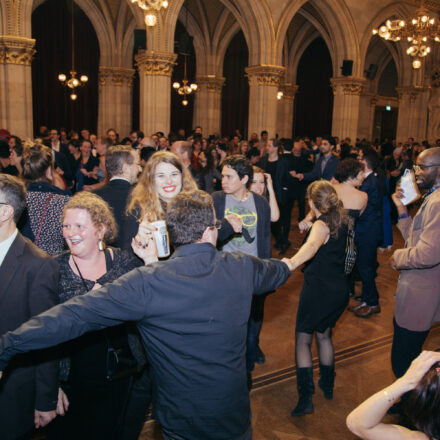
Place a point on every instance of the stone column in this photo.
(264, 81)
(412, 118)
(367, 108)
(208, 103)
(347, 91)
(155, 70)
(285, 110)
(16, 85)
(115, 84)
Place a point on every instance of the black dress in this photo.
(324, 295)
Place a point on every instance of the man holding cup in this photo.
(418, 291)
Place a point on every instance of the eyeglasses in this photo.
(417, 167)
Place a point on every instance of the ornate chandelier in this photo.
(185, 90)
(151, 6)
(419, 32)
(73, 82)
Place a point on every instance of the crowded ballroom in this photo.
(219, 220)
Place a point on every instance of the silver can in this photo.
(161, 239)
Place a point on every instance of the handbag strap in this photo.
(42, 218)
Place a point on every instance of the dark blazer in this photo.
(29, 286)
(116, 193)
(369, 225)
(263, 225)
(282, 177)
(317, 174)
(192, 312)
(62, 162)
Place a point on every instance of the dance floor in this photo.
(362, 348)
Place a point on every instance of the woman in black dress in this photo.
(324, 295)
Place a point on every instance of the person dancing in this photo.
(324, 295)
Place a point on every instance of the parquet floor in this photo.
(362, 349)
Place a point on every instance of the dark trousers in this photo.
(285, 219)
(366, 263)
(138, 403)
(254, 328)
(407, 345)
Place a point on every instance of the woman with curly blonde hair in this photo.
(163, 178)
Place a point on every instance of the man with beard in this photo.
(418, 291)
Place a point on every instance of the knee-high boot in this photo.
(305, 387)
(327, 380)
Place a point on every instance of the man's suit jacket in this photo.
(116, 193)
(327, 174)
(418, 290)
(282, 177)
(29, 286)
(369, 224)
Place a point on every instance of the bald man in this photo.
(418, 291)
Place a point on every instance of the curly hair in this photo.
(99, 211)
(325, 198)
(348, 169)
(36, 159)
(144, 198)
(241, 166)
(423, 404)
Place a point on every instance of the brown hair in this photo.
(116, 157)
(258, 170)
(36, 159)
(99, 211)
(144, 198)
(325, 198)
(423, 404)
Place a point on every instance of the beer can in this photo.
(161, 239)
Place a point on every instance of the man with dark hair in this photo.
(368, 234)
(184, 150)
(29, 286)
(253, 213)
(192, 319)
(60, 154)
(5, 162)
(113, 136)
(123, 167)
(325, 166)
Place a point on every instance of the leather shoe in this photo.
(367, 311)
(357, 307)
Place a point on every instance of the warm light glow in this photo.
(62, 77)
(185, 102)
(176, 85)
(165, 4)
(414, 21)
(402, 23)
(73, 97)
(374, 31)
(417, 64)
(424, 19)
(84, 78)
(150, 19)
(194, 86)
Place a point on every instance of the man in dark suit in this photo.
(29, 286)
(123, 167)
(325, 166)
(368, 233)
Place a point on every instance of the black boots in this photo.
(304, 381)
(327, 380)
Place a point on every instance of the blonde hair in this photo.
(144, 198)
(99, 211)
(325, 198)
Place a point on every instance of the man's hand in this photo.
(296, 175)
(43, 418)
(59, 171)
(397, 198)
(1, 374)
(63, 403)
(235, 222)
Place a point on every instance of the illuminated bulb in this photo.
(84, 78)
(409, 38)
(165, 4)
(73, 97)
(428, 49)
(194, 87)
(374, 31)
(75, 82)
(62, 77)
(424, 39)
(414, 21)
(424, 19)
(176, 85)
(383, 29)
(388, 23)
(185, 102)
(150, 19)
(416, 64)
(397, 39)
(431, 21)
(402, 23)
(437, 39)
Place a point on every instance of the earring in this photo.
(101, 245)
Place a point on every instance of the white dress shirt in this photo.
(6, 244)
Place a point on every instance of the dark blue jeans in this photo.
(254, 328)
(366, 263)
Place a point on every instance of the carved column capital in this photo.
(350, 85)
(16, 50)
(265, 75)
(117, 76)
(289, 91)
(409, 91)
(213, 83)
(150, 62)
